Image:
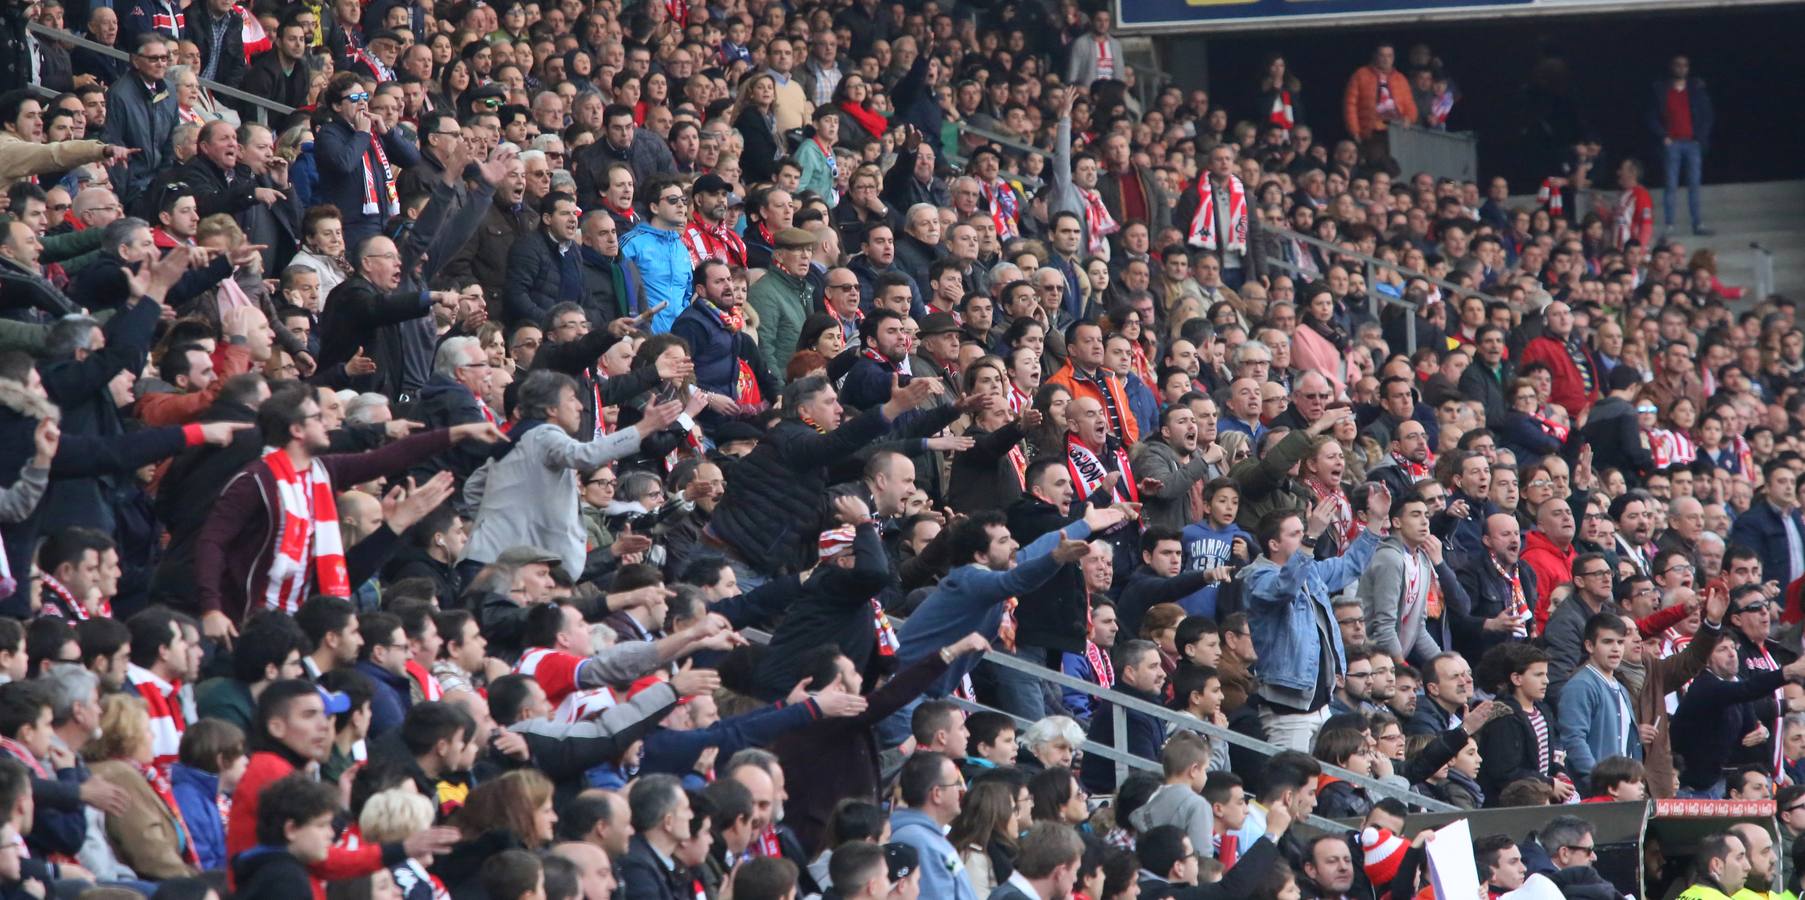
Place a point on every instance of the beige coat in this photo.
(20, 158)
(146, 837)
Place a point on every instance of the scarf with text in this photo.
(1088, 470)
(1106, 60)
(1099, 224)
(379, 182)
(309, 533)
(66, 605)
(1763, 661)
(1206, 231)
(1101, 667)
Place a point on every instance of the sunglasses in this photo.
(355, 97)
(490, 102)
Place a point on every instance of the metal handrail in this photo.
(225, 90)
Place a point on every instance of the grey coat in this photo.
(529, 496)
(1170, 506)
(143, 120)
(1399, 631)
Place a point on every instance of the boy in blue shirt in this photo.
(1212, 543)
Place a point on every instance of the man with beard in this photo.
(710, 234)
(728, 364)
(1215, 215)
(1763, 862)
(1171, 458)
(1501, 588)
(243, 563)
(1408, 462)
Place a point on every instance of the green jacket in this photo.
(65, 248)
(1266, 483)
(23, 336)
(783, 302)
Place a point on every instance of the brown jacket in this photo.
(146, 837)
(20, 158)
(1238, 683)
(184, 407)
(1663, 677)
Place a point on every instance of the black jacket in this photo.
(213, 191)
(983, 477)
(1058, 614)
(534, 280)
(1488, 594)
(185, 496)
(1714, 715)
(272, 873)
(444, 403)
(833, 609)
(644, 877)
(771, 512)
(1478, 383)
(412, 562)
(265, 78)
(229, 67)
(1616, 440)
(1508, 752)
(1146, 735)
(1147, 588)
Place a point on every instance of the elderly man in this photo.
(95, 207)
(784, 298)
(220, 182)
(506, 220)
(919, 246)
(454, 396)
(1309, 400)
(141, 112)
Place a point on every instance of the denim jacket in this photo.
(1279, 601)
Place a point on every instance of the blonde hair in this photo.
(394, 814)
(124, 727)
(219, 225)
(510, 802)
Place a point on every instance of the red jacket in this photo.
(1553, 567)
(265, 768)
(1569, 386)
(180, 408)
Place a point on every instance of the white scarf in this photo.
(1204, 232)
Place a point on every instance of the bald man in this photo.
(1501, 587)
(595, 871)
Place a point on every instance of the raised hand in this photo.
(220, 434)
(658, 417)
(1031, 418)
(45, 439)
(1104, 518)
(401, 509)
(359, 364)
(971, 643)
(839, 704)
(851, 510)
(691, 681)
(949, 442)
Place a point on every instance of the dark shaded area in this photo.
(1530, 86)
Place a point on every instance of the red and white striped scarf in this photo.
(999, 198)
(1088, 471)
(1204, 228)
(887, 641)
(1098, 223)
(428, 685)
(1416, 470)
(165, 708)
(1550, 196)
(23, 754)
(379, 182)
(309, 518)
(1519, 604)
(66, 605)
(1763, 661)
(1106, 61)
(705, 241)
(1347, 528)
(256, 40)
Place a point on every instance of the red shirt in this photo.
(1679, 115)
(1134, 196)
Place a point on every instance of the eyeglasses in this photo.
(955, 785)
(527, 344)
(1596, 573)
(1682, 567)
(160, 58)
(601, 482)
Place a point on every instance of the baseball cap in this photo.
(711, 184)
(337, 702)
(901, 860)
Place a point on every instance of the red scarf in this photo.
(889, 364)
(1106, 61)
(1346, 528)
(1098, 223)
(1000, 199)
(705, 241)
(873, 122)
(429, 686)
(1281, 114)
(159, 785)
(1204, 230)
(67, 606)
(309, 518)
(1101, 667)
(1519, 605)
(1088, 470)
(1417, 471)
(19, 752)
(631, 215)
(887, 642)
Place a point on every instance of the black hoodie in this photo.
(273, 873)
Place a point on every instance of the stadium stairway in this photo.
(1769, 213)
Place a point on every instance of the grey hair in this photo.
(562, 180)
(927, 208)
(527, 156)
(121, 231)
(999, 273)
(1563, 831)
(69, 684)
(177, 74)
(361, 410)
(541, 391)
(545, 141)
(1053, 728)
(454, 354)
(1711, 537)
(637, 484)
(1251, 345)
(69, 334)
(1131, 653)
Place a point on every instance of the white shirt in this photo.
(1021, 884)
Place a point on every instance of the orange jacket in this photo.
(1067, 378)
(159, 409)
(1360, 104)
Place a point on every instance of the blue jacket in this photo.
(1282, 602)
(717, 353)
(664, 264)
(390, 702)
(673, 751)
(1142, 403)
(1590, 721)
(1763, 530)
(867, 384)
(339, 152)
(197, 796)
(970, 598)
(942, 872)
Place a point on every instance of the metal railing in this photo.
(264, 105)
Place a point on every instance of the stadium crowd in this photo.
(588, 452)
